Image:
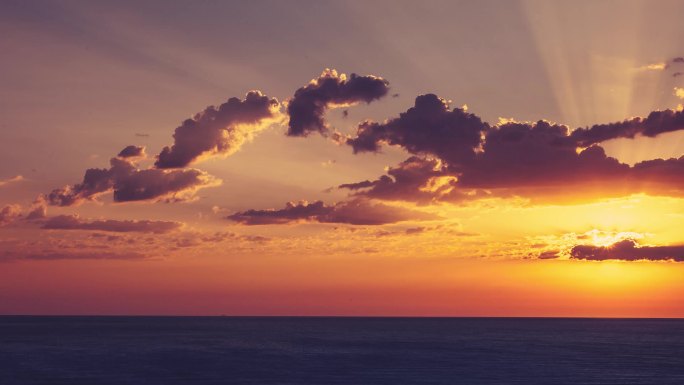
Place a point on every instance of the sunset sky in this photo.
(471, 158)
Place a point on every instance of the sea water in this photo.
(339, 350)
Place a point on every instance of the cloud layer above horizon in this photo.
(454, 157)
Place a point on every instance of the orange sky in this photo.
(503, 160)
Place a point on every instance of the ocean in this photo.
(339, 350)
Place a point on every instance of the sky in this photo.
(384, 158)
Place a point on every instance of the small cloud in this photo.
(551, 254)
(38, 209)
(13, 179)
(132, 152)
(654, 67)
(328, 163)
(679, 92)
(9, 213)
(416, 230)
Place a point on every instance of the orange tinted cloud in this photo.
(355, 212)
(219, 130)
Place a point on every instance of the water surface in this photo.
(311, 350)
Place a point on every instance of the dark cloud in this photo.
(678, 60)
(459, 157)
(132, 152)
(74, 222)
(628, 250)
(656, 123)
(429, 127)
(132, 184)
(551, 254)
(534, 154)
(219, 130)
(355, 212)
(455, 136)
(421, 180)
(9, 213)
(309, 104)
(415, 230)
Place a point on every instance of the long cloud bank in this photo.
(354, 212)
(466, 157)
(455, 154)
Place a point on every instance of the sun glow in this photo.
(603, 239)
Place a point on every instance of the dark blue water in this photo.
(227, 350)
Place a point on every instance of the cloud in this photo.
(46, 251)
(429, 127)
(549, 254)
(661, 66)
(132, 152)
(38, 210)
(421, 180)
(309, 104)
(534, 154)
(74, 222)
(457, 157)
(679, 92)
(628, 250)
(80, 255)
(219, 130)
(654, 67)
(4, 182)
(457, 137)
(355, 212)
(9, 213)
(12, 212)
(197, 239)
(656, 123)
(129, 183)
